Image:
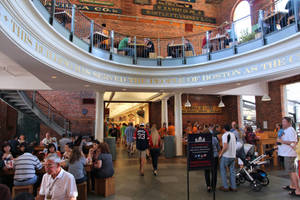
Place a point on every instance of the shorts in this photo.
(142, 153)
(289, 164)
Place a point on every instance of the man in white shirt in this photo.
(288, 144)
(228, 155)
(57, 184)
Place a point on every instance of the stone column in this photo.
(99, 119)
(178, 123)
(164, 111)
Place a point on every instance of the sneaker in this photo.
(155, 173)
(223, 189)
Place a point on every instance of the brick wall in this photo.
(71, 106)
(8, 122)
(273, 111)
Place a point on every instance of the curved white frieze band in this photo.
(26, 28)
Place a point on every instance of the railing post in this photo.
(72, 22)
(183, 51)
(91, 36)
(233, 37)
(261, 25)
(159, 52)
(52, 13)
(112, 47)
(135, 55)
(296, 14)
(208, 44)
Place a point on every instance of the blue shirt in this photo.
(129, 132)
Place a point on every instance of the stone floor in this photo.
(171, 183)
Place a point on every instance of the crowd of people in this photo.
(58, 166)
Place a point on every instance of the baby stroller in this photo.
(251, 172)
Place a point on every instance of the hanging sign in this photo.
(205, 109)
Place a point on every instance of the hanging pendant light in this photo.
(266, 98)
(188, 103)
(221, 104)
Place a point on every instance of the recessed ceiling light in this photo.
(86, 85)
(200, 88)
(124, 89)
(238, 84)
(53, 77)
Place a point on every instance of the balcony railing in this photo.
(268, 25)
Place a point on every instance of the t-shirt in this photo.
(129, 133)
(291, 136)
(231, 150)
(107, 169)
(63, 142)
(142, 139)
(123, 43)
(171, 130)
(25, 166)
(77, 168)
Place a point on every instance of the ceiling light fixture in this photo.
(124, 89)
(188, 103)
(86, 85)
(221, 104)
(53, 77)
(266, 98)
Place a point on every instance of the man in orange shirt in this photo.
(171, 129)
(163, 130)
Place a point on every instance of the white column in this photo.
(164, 111)
(178, 123)
(99, 120)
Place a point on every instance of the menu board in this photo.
(200, 152)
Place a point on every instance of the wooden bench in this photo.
(105, 186)
(20, 189)
(82, 191)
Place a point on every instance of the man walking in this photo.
(227, 155)
(129, 133)
(141, 136)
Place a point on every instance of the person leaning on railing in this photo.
(149, 47)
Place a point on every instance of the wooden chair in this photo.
(20, 189)
(105, 186)
(82, 191)
(189, 53)
(152, 55)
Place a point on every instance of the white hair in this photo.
(54, 158)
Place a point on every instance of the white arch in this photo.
(242, 18)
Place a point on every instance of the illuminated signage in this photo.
(105, 3)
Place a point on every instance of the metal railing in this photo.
(265, 21)
(48, 110)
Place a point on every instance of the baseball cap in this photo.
(142, 124)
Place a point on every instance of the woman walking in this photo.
(155, 144)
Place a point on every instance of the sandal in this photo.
(288, 188)
(293, 193)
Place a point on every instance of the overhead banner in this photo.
(200, 153)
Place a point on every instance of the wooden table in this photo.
(269, 141)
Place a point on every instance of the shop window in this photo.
(249, 111)
(242, 19)
(188, 27)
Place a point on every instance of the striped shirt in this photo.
(25, 166)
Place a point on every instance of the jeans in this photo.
(154, 155)
(81, 180)
(27, 182)
(129, 51)
(228, 162)
(211, 181)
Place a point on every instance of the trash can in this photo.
(169, 145)
(111, 141)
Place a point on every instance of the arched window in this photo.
(242, 19)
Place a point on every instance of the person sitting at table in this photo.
(63, 141)
(76, 165)
(123, 46)
(21, 148)
(149, 47)
(6, 152)
(21, 139)
(68, 151)
(170, 50)
(250, 136)
(104, 44)
(48, 139)
(103, 165)
(51, 149)
(57, 184)
(188, 46)
(25, 167)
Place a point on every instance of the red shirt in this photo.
(151, 143)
